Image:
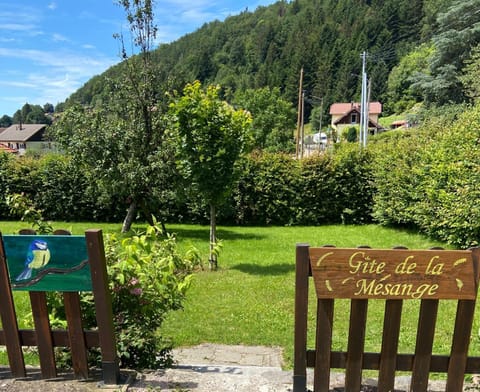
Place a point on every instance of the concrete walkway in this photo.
(211, 367)
(219, 368)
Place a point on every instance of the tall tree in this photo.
(5, 121)
(122, 138)
(212, 135)
(458, 32)
(273, 118)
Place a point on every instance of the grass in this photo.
(250, 299)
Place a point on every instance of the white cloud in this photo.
(59, 38)
(8, 83)
(54, 76)
(52, 6)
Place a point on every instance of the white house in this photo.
(23, 137)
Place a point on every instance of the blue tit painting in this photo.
(38, 256)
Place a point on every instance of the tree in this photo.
(458, 32)
(470, 79)
(273, 118)
(401, 94)
(31, 114)
(351, 135)
(5, 121)
(48, 108)
(122, 137)
(212, 136)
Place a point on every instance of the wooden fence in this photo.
(363, 275)
(66, 264)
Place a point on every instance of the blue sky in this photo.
(48, 49)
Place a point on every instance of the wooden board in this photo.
(393, 274)
(64, 265)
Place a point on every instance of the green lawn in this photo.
(250, 299)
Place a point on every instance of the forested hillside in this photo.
(269, 46)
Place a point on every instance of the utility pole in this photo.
(364, 103)
(299, 114)
(302, 127)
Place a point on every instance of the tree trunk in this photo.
(213, 239)
(127, 222)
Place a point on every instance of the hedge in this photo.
(271, 189)
(431, 179)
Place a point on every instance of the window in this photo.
(354, 118)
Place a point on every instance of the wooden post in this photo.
(9, 320)
(103, 306)
(301, 311)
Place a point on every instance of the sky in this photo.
(49, 49)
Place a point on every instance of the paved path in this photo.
(207, 368)
(219, 368)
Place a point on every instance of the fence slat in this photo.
(76, 337)
(9, 320)
(460, 343)
(103, 306)
(323, 345)
(388, 355)
(38, 300)
(424, 344)
(302, 267)
(356, 343)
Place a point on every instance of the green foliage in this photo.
(6, 161)
(212, 137)
(351, 135)
(31, 114)
(273, 118)
(148, 278)
(20, 205)
(430, 179)
(277, 189)
(122, 140)
(5, 121)
(268, 47)
(470, 79)
(266, 192)
(401, 94)
(458, 32)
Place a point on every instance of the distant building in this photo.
(400, 124)
(23, 137)
(345, 115)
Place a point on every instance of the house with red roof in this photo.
(346, 115)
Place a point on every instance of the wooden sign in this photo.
(48, 263)
(393, 274)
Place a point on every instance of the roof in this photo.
(27, 132)
(344, 108)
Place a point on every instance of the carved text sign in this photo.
(393, 274)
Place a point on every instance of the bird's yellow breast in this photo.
(40, 258)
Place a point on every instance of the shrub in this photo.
(352, 184)
(266, 192)
(430, 179)
(148, 278)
